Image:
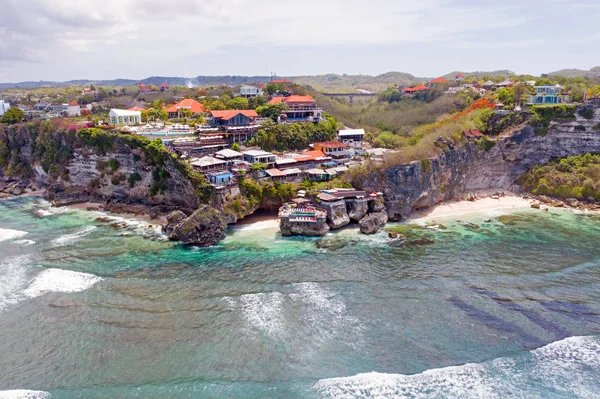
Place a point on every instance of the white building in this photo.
(248, 91)
(3, 107)
(125, 117)
(352, 137)
(72, 109)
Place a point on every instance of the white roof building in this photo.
(3, 107)
(250, 91)
(125, 117)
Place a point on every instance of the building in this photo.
(136, 108)
(505, 83)
(459, 77)
(248, 91)
(352, 137)
(548, 95)
(333, 149)
(232, 117)
(220, 179)
(41, 106)
(415, 89)
(4, 106)
(440, 80)
(125, 117)
(229, 155)
(208, 163)
(72, 109)
(164, 86)
(257, 156)
(316, 175)
(176, 110)
(299, 108)
(276, 174)
(472, 134)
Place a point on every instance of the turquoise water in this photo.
(94, 309)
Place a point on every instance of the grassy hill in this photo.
(577, 73)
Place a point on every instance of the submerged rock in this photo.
(333, 243)
(509, 220)
(371, 223)
(205, 227)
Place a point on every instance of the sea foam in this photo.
(264, 311)
(13, 279)
(9, 234)
(72, 237)
(24, 394)
(569, 366)
(58, 280)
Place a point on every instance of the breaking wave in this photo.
(566, 368)
(13, 279)
(9, 234)
(264, 311)
(58, 280)
(24, 394)
(72, 237)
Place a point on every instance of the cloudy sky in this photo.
(105, 39)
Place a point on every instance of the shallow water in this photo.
(471, 309)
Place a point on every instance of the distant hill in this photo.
(480, 74)
(577, 73)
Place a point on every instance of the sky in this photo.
(107, 39)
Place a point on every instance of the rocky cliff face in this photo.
(422, 184)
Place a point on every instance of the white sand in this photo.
(482, 205)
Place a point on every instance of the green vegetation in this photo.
(113, 164)
(572, 177)
(542, 115)
(296, 136)
(161, 181)
(271, 110)
(485, 144)
(426, 165)
(134, 178)
(12, 115)
(236, 147)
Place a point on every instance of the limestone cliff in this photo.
(468, 168)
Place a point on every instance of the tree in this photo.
(258, 166)
(255, 102)
(12, 115)
(236, 147)
(273, 88)
(271, 110)
(237, 103)
(506, 95)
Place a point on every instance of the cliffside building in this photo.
(548, 95)
(125, 117)
(298, 108)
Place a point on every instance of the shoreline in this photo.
(485, 203)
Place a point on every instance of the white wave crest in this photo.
(570, 366)
(13, 279)
(69, 238)
(24, 394)
(58, 280)
(9, 234)
(24, 242)
(264, 311)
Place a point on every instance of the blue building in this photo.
(548, 95)
(221, 179)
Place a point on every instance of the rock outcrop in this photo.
(309, 229)
(337, 216)
(205, 227)
(468, 168)
(357, 208)
(374, 221)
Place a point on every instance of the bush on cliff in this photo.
(573, 177)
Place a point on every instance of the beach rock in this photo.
(331, 243)
(572, 202)
(377, 205)
(371, 223)
(535, 205)
(337, 217)
(558, 204)
(205, 227)
(316, 229)
(357, 209)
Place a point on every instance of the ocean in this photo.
(97, 306)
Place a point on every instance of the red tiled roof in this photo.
(73, 103)
(439, 80)
(460, 75)
(420, 87)
(164, 84)
(136, 109)
(292, 99)
(310, 156)
(472, 133)
(330, 144)
(188, 103)
(281, 81)
(228, 114)
(142, 85)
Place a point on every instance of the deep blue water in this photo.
(508, 309)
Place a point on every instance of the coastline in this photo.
(485, 203)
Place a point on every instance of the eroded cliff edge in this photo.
(467, 168)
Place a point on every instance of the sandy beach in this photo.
(485, 203)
